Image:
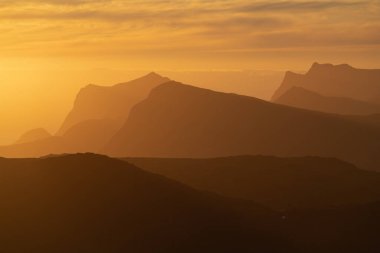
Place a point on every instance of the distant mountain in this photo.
(110, 103)
(280, 183)
(87, 136)
(178, 120)
(97, 115)
(302, 98)
(336, 81)
(90, 203)
(33, 135)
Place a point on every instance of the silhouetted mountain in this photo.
(90, 135)
(179, 120)
(302, 98)
(336, 81)
(33, 135)
(87, 136)
(112, 103)
(97, 115)
(280, 183)
(91, 203)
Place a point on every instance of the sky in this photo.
(49, 49)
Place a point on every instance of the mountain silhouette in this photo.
(302, 98)
(87, 136)
(336, 81)
(178, 120)
(33, 135)
(97, 115)
(90, 203)
(112, 103)
(280, 183)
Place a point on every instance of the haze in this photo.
(50, 49)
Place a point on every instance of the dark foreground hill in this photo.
(280, 183)
(178, 120)
(91, 203)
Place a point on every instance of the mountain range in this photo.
(178, 120)
(155, 117)
(335, 81)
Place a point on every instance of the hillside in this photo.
(110, 103)
(90, 203)
(178, 120)
(280, 183)
(302, 98)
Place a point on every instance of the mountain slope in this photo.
(336, 81)
(33, 135)
(179, 120)
(91, 203)
(281, 183)
(112, 103)
(87, 136)
(302, 98)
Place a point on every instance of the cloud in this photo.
(138, 25)
(281, 6)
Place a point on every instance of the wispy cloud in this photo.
(122, 26)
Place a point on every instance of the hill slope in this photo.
(33, 135)
(281, 183)
(111, 103)
(179, 120)
(91, 203)
(302, 98)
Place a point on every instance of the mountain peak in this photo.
(33, 135)
(154, 75)
(317, 67)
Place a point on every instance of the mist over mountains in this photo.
(155, 117)
(200, 170)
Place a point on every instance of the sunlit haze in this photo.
(50, 49)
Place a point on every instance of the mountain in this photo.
(33, 135)
(87, 136)
(178, 120)
(279, 183)
(97, 115)
(91, 203)
(111, 103)
(302, 98)
(336, 81)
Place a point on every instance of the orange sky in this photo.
(49, 49)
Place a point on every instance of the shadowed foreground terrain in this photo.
(280, 183)
(91, 203)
